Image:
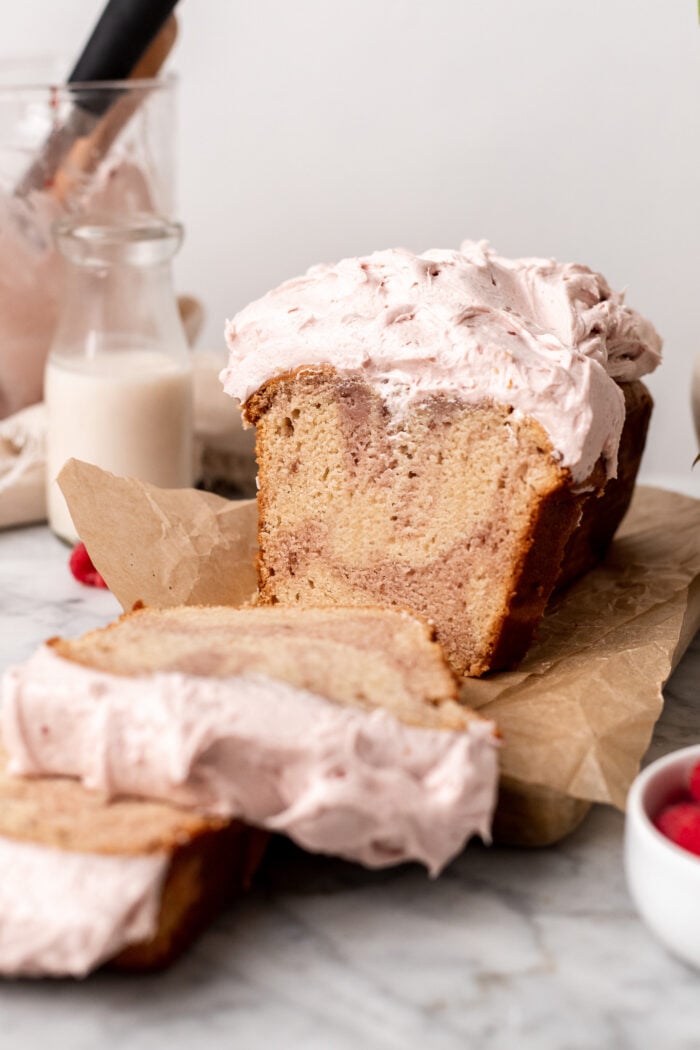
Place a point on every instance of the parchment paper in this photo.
(163, 546)
(576, 717)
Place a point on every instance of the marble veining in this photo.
(527, 949)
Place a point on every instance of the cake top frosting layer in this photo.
(548, 338)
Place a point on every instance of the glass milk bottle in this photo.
(118, 381)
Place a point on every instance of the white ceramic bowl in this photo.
(663, 879)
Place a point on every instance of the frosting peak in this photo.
(578, 306)
(547, 338)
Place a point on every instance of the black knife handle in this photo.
(122, 34)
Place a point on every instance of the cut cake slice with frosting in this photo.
(339, 727)
(84, 882)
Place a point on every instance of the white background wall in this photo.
(313, 129)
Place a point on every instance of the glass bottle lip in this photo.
(137, 240)
(43, 74)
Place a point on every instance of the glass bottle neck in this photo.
(119, 308)
(118, 290)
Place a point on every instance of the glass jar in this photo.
(124, 166)
(118, 382)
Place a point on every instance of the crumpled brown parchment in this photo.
(578, 714)
(163, 546)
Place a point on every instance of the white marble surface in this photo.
(508, 949)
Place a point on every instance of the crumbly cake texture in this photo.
(369, 658)
(208, 858)
(461, 516)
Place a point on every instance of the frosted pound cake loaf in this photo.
(339, 727)
(84, 882)
(428, 430)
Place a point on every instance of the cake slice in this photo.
(339, 727)
(84, 882)
(429, 429)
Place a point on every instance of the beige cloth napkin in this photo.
(22, 466)
(223, 450)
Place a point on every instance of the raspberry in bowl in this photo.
(662, 850)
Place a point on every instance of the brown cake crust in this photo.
(204, 876)
(345, 517)
(603, 511)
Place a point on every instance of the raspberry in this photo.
(681, 824)
(694, 783)
(82, 568)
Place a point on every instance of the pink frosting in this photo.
(545, 337)
(63, 914)
(336, 779)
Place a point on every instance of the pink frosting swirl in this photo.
(336, 779)
(550, 339)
